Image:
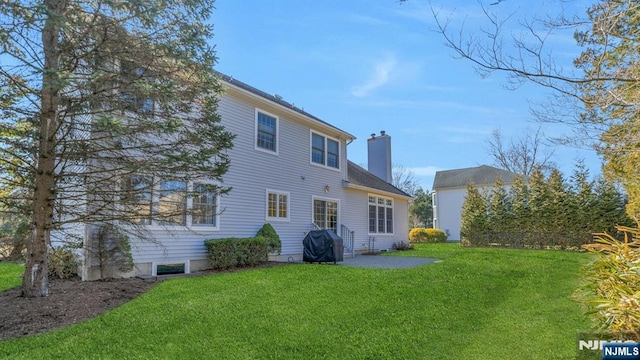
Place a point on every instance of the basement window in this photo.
(169, 269)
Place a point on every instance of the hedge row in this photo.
(236, 252)
(426, 235)
(528, 240)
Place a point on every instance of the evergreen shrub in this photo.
(274, 245)
(236, 252)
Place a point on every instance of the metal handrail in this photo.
(348, 237)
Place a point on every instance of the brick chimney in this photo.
(379, 159)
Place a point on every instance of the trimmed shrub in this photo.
(63, 263)
(426, 235)
(274, 245)
(236, 252)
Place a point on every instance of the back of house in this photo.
(288, 168)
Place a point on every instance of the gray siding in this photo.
(356, 217)
(252, 172)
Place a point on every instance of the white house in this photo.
(289, 169)
(450, 190)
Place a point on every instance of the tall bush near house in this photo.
(423, 235)
(274, 245)
(612, 289)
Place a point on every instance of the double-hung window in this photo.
(277, 205)
(325, 151)
(204, 205)
(380, 215)
(266, 132)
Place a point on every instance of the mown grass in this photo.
(10, 275)
(475, 304)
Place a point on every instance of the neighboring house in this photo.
(288, 168)
(450, 190)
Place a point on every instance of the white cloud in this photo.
(381, 75)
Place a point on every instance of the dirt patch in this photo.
(69, 302)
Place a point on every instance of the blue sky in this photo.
(366, 66)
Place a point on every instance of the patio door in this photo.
(325, 214)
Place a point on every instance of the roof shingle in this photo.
(481, 175)
(360, 176)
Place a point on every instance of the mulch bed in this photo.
(69, 302)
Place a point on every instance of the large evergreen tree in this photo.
(102, 100)
(474, 214)
(421, 209)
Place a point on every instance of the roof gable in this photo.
(481, 175)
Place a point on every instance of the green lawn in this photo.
(475, 304)
(10, 275)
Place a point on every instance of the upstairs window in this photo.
(266, 132)
(136, 88)
(325, 151)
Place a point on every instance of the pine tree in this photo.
(99, 94)
(583, 202)
(610, 210)
(499, 212)
(474, 217)
(520, 212)
(539, 204)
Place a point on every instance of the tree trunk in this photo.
(35, 281)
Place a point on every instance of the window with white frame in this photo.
(325, 151)
(204, 206)
(277, 205)
(169, 202)
(380, 215)
(325, 214)
(266, 131)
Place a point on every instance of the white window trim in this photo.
(154, 266)
(314, 197)
(255, 133)
(266, 209)
(189, 221)
(392, 206)
(311, 132)
(188, 225)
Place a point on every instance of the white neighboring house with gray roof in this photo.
(450, 190)
(290, 169)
